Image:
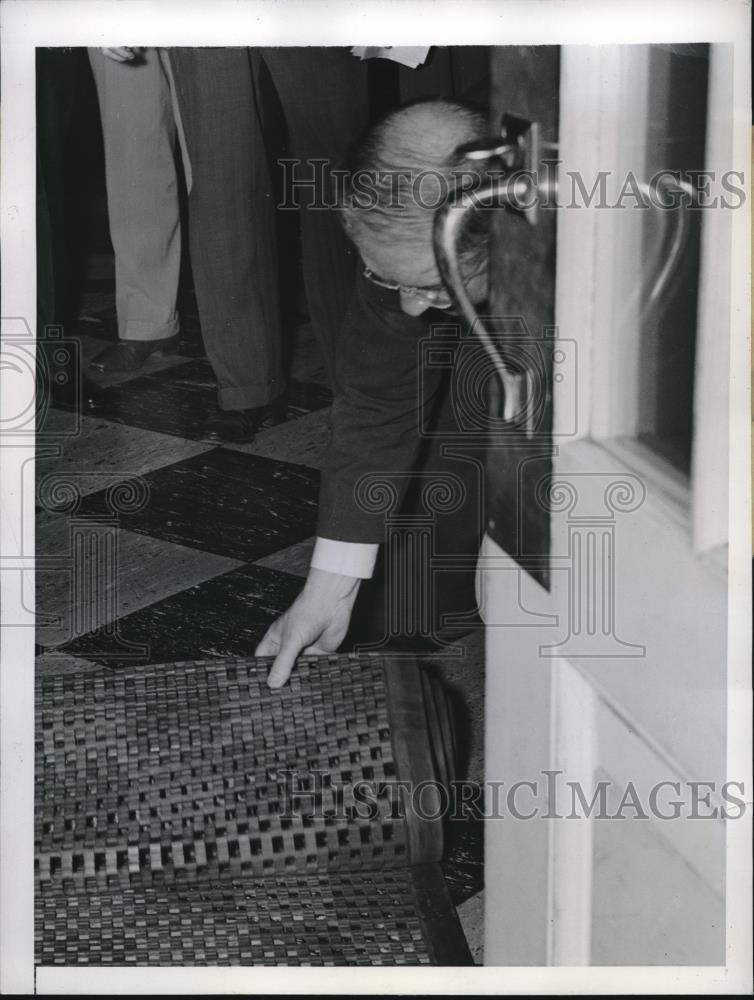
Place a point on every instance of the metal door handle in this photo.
(518, 149)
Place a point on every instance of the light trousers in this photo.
(139, 133)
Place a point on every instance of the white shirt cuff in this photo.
(347, 558)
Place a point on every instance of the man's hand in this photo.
(123, 53)
(316, 622)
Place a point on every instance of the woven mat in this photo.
(186, 814)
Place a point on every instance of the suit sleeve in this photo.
(379, 407)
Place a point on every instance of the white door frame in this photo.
(541, 903)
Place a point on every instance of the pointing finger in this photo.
(284, 661)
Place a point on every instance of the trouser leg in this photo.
(231, 224)
(142, 193)
(67, 171)
(323, 92)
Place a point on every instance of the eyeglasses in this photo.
(435, 295)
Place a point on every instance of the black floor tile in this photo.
(179, 400)
(224, 616)
(463, 862)
(226, 502)
(176, 401)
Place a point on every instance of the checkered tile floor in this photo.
(186, 550)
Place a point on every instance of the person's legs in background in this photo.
(231, 235)
(65, 178)
(142, 192)
(58, 74)
(324, 96)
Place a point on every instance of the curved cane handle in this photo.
(450, 221)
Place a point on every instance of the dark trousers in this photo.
(231, 224)
(63, 192)
(323, 95)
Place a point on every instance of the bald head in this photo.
(398, 176)
(421, 136)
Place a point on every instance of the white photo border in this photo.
(26, 24)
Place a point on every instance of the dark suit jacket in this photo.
(386, 400)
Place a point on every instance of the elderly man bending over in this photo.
(397, 177)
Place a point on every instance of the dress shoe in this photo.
(130, 355)
(240, 426)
